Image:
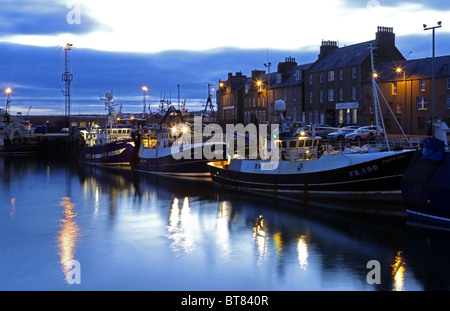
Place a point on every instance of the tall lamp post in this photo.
(432, 66)
(144, 90)
(8, 92)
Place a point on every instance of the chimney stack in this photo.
(326, 47)
(385, 37)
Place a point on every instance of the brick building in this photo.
(407, 89)
(230, 99)
(336, 89)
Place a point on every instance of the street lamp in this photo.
(144, 90)
(8, 92)
(439, 25)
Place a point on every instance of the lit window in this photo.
(321, 77)
(354, 72)
(341, 94)
(321, 96)
(341, 74)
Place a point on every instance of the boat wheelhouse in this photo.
(108, 145)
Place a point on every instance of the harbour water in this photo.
(69, 227)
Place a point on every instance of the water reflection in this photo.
(261, 239)
(222, 229)
(179, 227)
(398, 272)
(302, 251)
(226, 239)
(68, 236)
(12, 212)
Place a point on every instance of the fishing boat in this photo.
(16, 136)
(175, 149)
(426, 183)
(111, 144)
(304, 168)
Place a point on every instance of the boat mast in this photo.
(376, 101)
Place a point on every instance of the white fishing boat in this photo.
(111, 144)
(16, 136)
(306, 168)
(159, 151)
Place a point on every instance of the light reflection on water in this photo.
(179, 227)
(155, 233)
(68, 236)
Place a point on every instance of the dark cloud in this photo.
(36, 72)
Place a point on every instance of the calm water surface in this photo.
(135, 231)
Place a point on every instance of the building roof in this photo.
(415, 69)
(289, 78)
(346, 56)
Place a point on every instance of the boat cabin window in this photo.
(149, 143)
(293, 143)
(301, 143)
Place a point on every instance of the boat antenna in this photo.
(376, 101)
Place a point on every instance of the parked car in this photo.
(65, 130)
(341, 132)
(364, 133)
(323, 129)
(153, 126)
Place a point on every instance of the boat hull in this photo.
(426, 187)
(163, 161)
(114, 153)
(23, 148)
(371, 177)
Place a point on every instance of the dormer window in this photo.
(279, 77)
